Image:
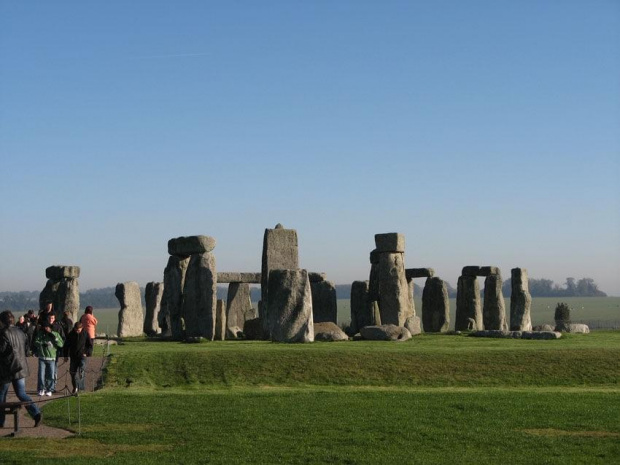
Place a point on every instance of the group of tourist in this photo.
(47, 339)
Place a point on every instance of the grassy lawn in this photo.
(433, 399)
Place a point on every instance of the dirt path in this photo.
(94, 369)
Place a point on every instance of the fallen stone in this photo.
(58, 272)
(329, 332)
(539, 335)
(385, 333)
(575, 328)
(390, 243)
(131, 315)
(185, 246)
(544, 327)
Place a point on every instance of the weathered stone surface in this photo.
(412, 273)
(68, 298)
(414, 325)
(520, 301)
(185, 246)
(253, 330)
(234, 332)
(468, 304)
(324, 302)
(390, 243)
(411, 295)
(385, 333)
(544, 327)
(376, 314)
(234, 277)
(199, 296)
(220, 320)
(131, 315)
(48, 294)
(152, 295)
(494, 309)
(374, 257)
(394, 302)
(238, 307)
(58, 272)
(329, 332)
(435, 306)
(280, 252)
(539, 335)
(316, 277)
(577, 328)
(480, 271)
(290, 306)
(171, 314)
(361, 307)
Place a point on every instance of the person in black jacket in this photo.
(14, 366)
(80, 346)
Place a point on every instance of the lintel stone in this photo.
(58, 272)
(390, 242)
(480, 271)
(235, 277)
(411, 273)
(189, 245)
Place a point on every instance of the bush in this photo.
(562, 312)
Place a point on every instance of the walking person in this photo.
(47, 342)
(79, 347)
(14, 366)
(89, 322)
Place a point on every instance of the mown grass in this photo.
(433, 399)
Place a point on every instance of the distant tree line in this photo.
(105, 298)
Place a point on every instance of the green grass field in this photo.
(432, 399)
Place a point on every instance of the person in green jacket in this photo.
(47, 342)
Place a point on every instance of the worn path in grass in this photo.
(63, 387)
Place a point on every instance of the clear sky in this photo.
(487, 132)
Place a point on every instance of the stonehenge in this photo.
(297, 305)
(62, 290)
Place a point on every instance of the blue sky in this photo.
(487, 132)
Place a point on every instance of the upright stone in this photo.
(361, 307)
(152, 296)
(520, 301)
(200, 296)
(48, 294)
(238, 308)
(68, 298)
(435, 306)
(220, 320)
(290, 306)
(468, 308)
(62, 289)
(171, 314)
(395, 303)
(324, 302)
(131, 315)
(494, 310)
(280, 252)
(373, 279)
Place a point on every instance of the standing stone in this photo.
(361, 307)
(373, 280)
(62, 290)
(324, 302)
(494, 310)
(520, 301)
(200, 296)
(171, 314)
(411, 294)
(290, 306)
(220, 320)
(435, 306)
(48, 294)
(238, 308)
(68, 298)
(280, 252)
(152, 296)
(395, 303)
(130, 316)
(468, 308)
